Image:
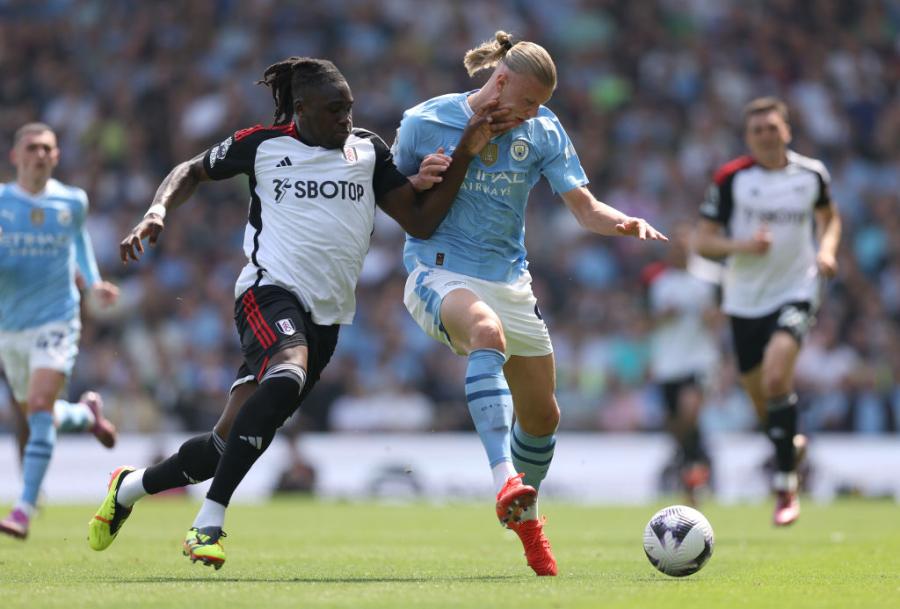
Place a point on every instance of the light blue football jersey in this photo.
(483, 235)
(42, 242)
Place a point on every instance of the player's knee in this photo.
(776, 382)
(277, 397)
(40, 401)
(488, 334)
(542, 421)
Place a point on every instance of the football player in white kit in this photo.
(683, 353)
(770, 214)
(314, 183)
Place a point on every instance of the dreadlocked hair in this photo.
(289, 77)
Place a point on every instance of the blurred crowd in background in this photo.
(650, 93)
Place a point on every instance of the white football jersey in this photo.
(745, 197)
(681, 344)
(311, 214)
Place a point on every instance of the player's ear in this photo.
(502, 81)
(298, 107)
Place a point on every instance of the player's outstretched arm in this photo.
(710, 241)
(602, 219)
(421, 217)
(175, 189)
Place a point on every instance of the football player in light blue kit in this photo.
(469, 285)
(45, 255)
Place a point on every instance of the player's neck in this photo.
(34, 186)
(479, 98)
(773, 162)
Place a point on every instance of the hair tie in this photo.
(507, 44)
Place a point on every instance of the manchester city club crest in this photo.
(489, 154)
(350, 154)
(286, 327)
(37, 216)
(64, 217)
(519, 150)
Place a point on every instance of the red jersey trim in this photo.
(288, 129)
(732, 167)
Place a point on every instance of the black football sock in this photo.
(194, 462)
(692, 446)
(781, 427)
(252, 432)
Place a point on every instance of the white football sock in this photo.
(131, 489)
(502, 472)
(211, 514)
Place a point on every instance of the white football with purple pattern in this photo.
(678, 540)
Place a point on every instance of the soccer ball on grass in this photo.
(678, 540)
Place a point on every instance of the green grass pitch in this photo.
(301, 553)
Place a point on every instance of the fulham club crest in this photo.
(286, 327)
(350, 154)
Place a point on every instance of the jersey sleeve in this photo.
(404, 148)
(233, 155)
(386, 176)
(657, 297)
(824, 198)
(717, 203)
(559, 161)
(84, 249)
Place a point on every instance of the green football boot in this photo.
(106, 523)
(205, 545)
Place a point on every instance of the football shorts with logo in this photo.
(53, 346)
(270, 319)
(752, 334)
(515, 304)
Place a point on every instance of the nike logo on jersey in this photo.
(285, 162)
(254, 441)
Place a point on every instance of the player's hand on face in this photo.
(149, 228)
(489, 121)
(827, 263)
(107, 293)
(430, 171)
(640, 228)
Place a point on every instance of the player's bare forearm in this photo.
(176, 188)
(603, 219)
(421, 217)
(828, 230)
(433, 204)
(828, 233)
(711, 243)
(179, 185)
(600, 218)
(420, 214)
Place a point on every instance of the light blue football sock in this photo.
(72, 416)
(490, 402)
(38, 451)
(532, 455)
